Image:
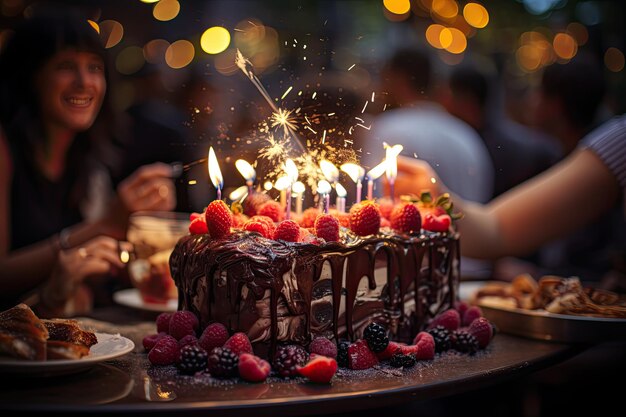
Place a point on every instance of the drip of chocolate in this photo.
(278, 292)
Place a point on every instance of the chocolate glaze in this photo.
(277, 292)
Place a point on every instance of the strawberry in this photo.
(450, 319)
(149, 341)
(252, 368)
(308, 217)
(471, 314)
(183, 323)
(287, 230)
(406, 218)
(425, 344)
(322, 346)
(164, 352)
(320, 369)
(163, 322)
(198, 226)
(273, 210)
(214, 335)
(437, 223)
(392, 349)
(365, 218)
(360, 356)
(327, 227)
(482, 330)
(219, 219)
(239, 343)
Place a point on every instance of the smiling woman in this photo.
(58, 229)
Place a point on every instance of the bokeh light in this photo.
(565, 46)
(111, 33)
(225, 63)
(614, 59)
(529, 58)
(215, 40)
(399, 7)
(476, 15)
(154, 51)
(433, 35)
(446, 9)
(458, 41)
(579, 32)
(94, 25)
(179, 54)
(166, 10)
(249, 32)
(130, 60)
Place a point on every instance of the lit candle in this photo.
(356, 173)
(281, 185)
(323, 190)
(239, 194)
(391, 157)
(292, 175)
(215, 173)
(372, 175)
(247, 172)
(298, 190)
(341, 198)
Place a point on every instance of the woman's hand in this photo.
(148, 188)
(415, 176)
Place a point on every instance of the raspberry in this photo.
(320, 369)
(239, 343)
(287, 230)
(323, 346)
(163, 322)
(198, 226)
(376, 337)
(360, 355)
(288, 358)
(239, 220)
(190, 339)
(219, 219)
(304, 235)
(425, 346)
(308, 217)
(252, 203)
(193, 216)
(149, 341)
(343, 359)
(259, 227)
(471, 314)
(183, 323)
(392, 349)
(252, 368)
(464, 342)
(327, 227)
(344, 219)
(365, 218)
(402, 361)
(164, 352)
(385, 205)
(214, 335)
(461, 307)
(450, 319)
(442, 338)
(482, 330)
(436, 223)
(192, 359)
(273, 210)
(406, 218)
(223, 363)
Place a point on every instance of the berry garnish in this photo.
(183, 323)
(406, 218)
(323, 346)
(219, 219)
(365, 218)
(376, 337)
(223, 363)
(360, 355)
(164, 352)
(320, 369)
(450, 319)
(214, 335)
(327, 227)
(192, 359)
(288, 358)
(287, 230)
(252, 368)
(239, 343)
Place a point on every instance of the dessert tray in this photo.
(109, 346)
(131, 298)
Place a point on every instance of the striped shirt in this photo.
(609, 142)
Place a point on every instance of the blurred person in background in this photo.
(60, 219)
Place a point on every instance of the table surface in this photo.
(131, 384)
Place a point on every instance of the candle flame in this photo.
(214, 170)
(391, 158)
(329, 170)
(282, 183)
(341, 192)
(245, 169)
(239, 194)
(377, 171)
(356, 172)
(291, 170)
(298, 188)
(323, 187)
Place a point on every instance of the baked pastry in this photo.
(22, 334)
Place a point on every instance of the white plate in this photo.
(131, 298)
(109, 346)
(468, 288)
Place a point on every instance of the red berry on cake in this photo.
(239, 343)
(437, 223)
(471, 314)
(327, 227)
(273, 210)
(271, 226)
(219, 219)
(193, 216)
(482, 330)
(391, 349)
(360, 356)
(385, 205)
(149, 341)
(253, 202)
(190, 339)
(214, 335)
(406, 218)
(254, 225)
(164, 352)
(450, 319)
(308, 217)
(252, 368)
(198, 226)
(288, 358)
(320, 369)
(239, 219)
(425, 344)
(183, 323)
(163, 322)
(287, 230)
(323, 346)
(365, 218)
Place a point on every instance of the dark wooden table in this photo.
(129, 385)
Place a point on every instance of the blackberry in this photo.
(442, 336)
(223, 362)
(342, 354)
(376, 337)
(464, 342)
(192, 359)
(402, 361)
(287, 358)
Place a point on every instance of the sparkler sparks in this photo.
(283, 118)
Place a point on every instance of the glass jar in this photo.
(153, 236)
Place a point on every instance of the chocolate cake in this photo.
(290, 292)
